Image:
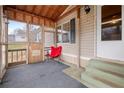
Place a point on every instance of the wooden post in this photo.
(27, 52)
(78, 38)
(6, 41)
(12, 57)
(0, 41)
(43, 38)
(55, 35)
(17, 55)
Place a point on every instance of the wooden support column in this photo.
(55, 34)
(0, 42)
(6, 41)
(27, 44)
(78, 37)
(43, 38)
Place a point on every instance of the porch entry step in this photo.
(108, 66)
(103, 74)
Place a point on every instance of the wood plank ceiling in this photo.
(48, 11)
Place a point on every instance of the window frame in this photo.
(69, 32)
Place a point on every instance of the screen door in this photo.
(35, 50)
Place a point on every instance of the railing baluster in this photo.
(21, 55)
(17, 55)
(12, 56)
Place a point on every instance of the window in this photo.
(17, 31)
(59, 34)
(111, 23)
(35, 33)
(66, 32)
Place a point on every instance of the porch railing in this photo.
(16, 56)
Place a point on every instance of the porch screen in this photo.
(35, 33)
(59, 35)
(49, 39)
(111, 23)
(17, 31)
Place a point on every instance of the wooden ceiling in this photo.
(48, 11)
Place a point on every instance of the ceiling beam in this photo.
(34, 7)
(54, 10)
(41, 7)
(37, 9)
(59, 12)
(68, 8)
(46, 10)
(68, 12)
(42, 10)
(25, 12)
(51, 9)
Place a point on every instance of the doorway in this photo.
(110, 34)
(17, 43)
(35, 44)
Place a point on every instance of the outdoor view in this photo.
(17, 39)
(16, 34)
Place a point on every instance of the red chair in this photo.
(55, 52)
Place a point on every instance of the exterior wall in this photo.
(87, 38)
(87, 35)
(70, 51)
(109, 49)
(91, 45)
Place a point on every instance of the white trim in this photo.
(71, 55)
(85, 58)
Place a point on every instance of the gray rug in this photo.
(41, 75)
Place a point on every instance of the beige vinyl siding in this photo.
(87, 34)
(70, 51)
(87, 37)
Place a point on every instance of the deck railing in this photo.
(16, 55)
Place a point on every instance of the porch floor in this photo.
(40, 75)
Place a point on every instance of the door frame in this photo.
(115, 45)
(30, 42)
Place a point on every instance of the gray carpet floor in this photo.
(40, 75)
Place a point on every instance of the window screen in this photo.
(17, 31)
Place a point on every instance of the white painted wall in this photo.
(109, 49)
